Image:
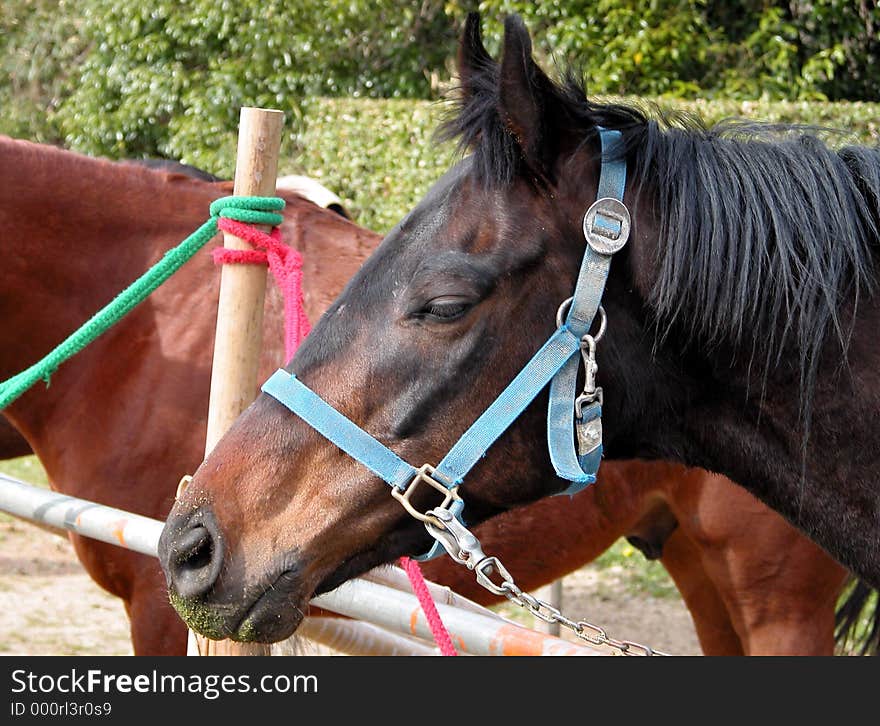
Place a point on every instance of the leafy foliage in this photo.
(163, 78)
(801, 49)
(622, 46)
(41, 45)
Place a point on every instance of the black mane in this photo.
(766, 232)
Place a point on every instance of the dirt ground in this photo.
(50, 606)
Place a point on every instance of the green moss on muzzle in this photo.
(199, 618)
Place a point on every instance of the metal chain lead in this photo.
(583, 629)
(465, 549)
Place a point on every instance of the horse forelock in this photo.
(475, 123)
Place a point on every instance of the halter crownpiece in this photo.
(570, 417)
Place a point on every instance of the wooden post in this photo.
(238, 339)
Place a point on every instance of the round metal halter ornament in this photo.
(606, 225)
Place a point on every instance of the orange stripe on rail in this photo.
(513, 640)
(118, 530)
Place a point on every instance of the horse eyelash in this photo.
(440, 311)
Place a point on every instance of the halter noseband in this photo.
(606, 229)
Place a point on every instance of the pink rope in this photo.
(285, 263)
(435, 623)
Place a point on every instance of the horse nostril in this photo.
(193, 557)
(194, 549)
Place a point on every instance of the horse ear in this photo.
(473, 58)
(521, 92)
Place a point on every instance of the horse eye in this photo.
(445, 309)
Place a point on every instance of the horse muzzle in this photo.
(193, 555)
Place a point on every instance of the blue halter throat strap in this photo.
(571, 418)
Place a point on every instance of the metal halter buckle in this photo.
(605, 239)
(425, 474)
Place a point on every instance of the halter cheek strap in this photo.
(606, 228)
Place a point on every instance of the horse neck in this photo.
(77, 231)
(719, 405)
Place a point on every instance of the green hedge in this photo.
(380, 156)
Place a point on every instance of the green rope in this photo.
(253, 210)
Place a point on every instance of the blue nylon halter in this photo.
(556, 363)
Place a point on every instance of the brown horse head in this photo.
(457, 299)
(277, 512)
